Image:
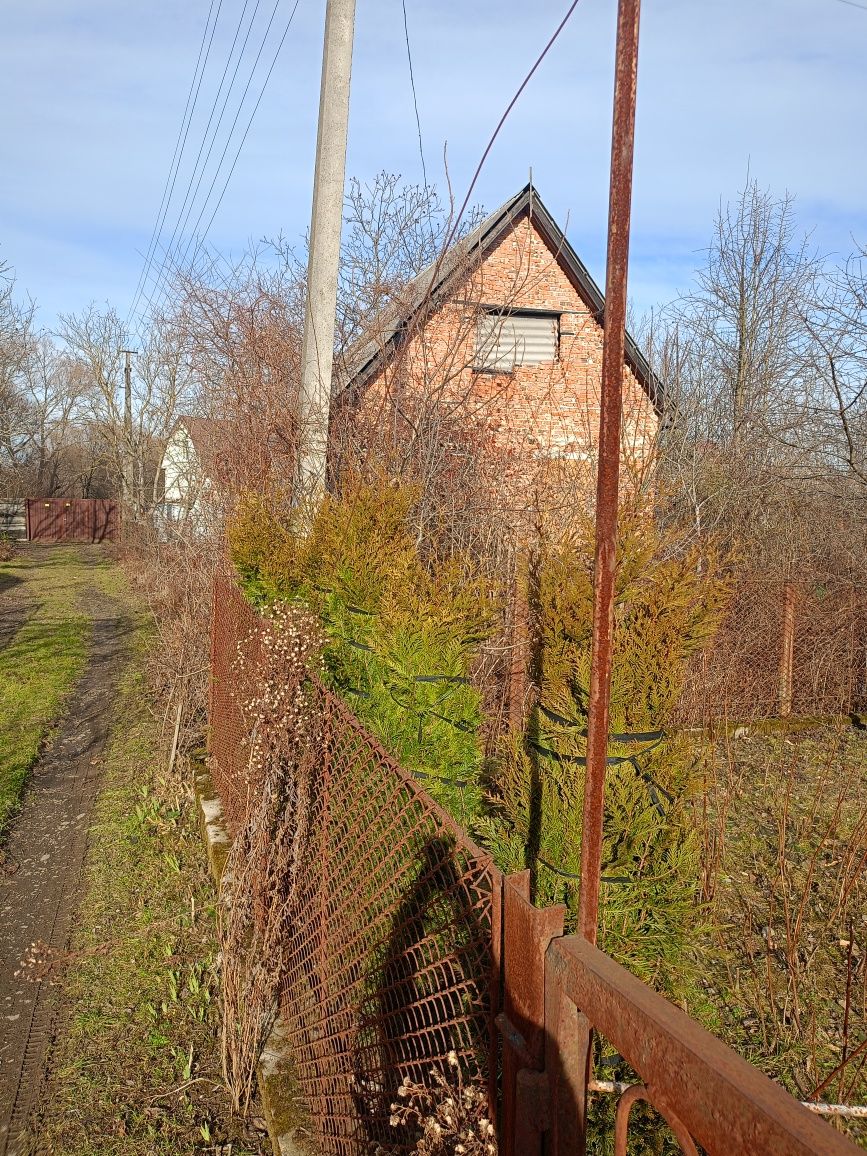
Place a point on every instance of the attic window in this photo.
(507, 340)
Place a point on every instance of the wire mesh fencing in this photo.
(401, 943)
(785, 647)
(390, 957)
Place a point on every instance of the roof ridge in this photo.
(363, 356)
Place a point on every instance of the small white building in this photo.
(186, 469)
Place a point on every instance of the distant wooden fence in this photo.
(72, 520)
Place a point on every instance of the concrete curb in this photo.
(281, 1104)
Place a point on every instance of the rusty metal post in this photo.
(528, 930)
(568, 1062)
(787, 650)
(607, 484)
(495, 992)
(519, 669)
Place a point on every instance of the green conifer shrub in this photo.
(403, 633)
(667, 604)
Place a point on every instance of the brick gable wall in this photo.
(535, 415)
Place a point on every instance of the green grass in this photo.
(136, 1063)
(41, 663)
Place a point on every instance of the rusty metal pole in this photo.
(607, 483)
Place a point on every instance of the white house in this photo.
(186, 468)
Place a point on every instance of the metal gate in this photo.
(72, 520)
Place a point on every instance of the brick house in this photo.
(506, 332)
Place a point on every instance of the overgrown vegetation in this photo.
(402, 632)
(40, 663)
(667, 606)
(785, 956)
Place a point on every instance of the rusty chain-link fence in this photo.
(391, 949)
(785, 647)
(404, 942)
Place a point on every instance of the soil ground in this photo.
(45, 851)
(15, 605)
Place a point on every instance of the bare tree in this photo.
(738, 358)
(839, 335)
(161, 385)
(16, 321)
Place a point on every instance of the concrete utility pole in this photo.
(317, 351)
(128, 458)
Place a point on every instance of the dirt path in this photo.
(15, 605)
(45, 853)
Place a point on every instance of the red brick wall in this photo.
(536, 415)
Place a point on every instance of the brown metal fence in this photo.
(405, 942)
(393, 956)
(72, 520)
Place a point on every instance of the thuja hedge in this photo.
(403, 634)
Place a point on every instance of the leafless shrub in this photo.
(175, 580)
(450, 1116)
(259, 880)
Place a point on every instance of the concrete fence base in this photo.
(274, 1072)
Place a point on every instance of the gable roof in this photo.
(431, 286)
(203, 431)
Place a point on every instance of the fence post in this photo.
(568, 1057)
(787, 650)
(527, 931)
(519, 673)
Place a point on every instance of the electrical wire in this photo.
(189, 195)
(161, 285)
(193, 193)
(414, 98)
(432, 281)
(505, 116)
(200, 240)
(193, 232)
(180, 145)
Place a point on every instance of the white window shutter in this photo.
(508, 340)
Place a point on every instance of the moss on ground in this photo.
(40, 664)
(136, 1062)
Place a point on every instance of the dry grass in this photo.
(786, 880)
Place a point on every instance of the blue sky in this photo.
(94, 90)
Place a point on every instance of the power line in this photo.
(171, 258)
(235, 121)
(178, 227)
(180, 144)
(414, 100)
(853, 4)
(504, 117)
(161, 287)
(456, 224)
